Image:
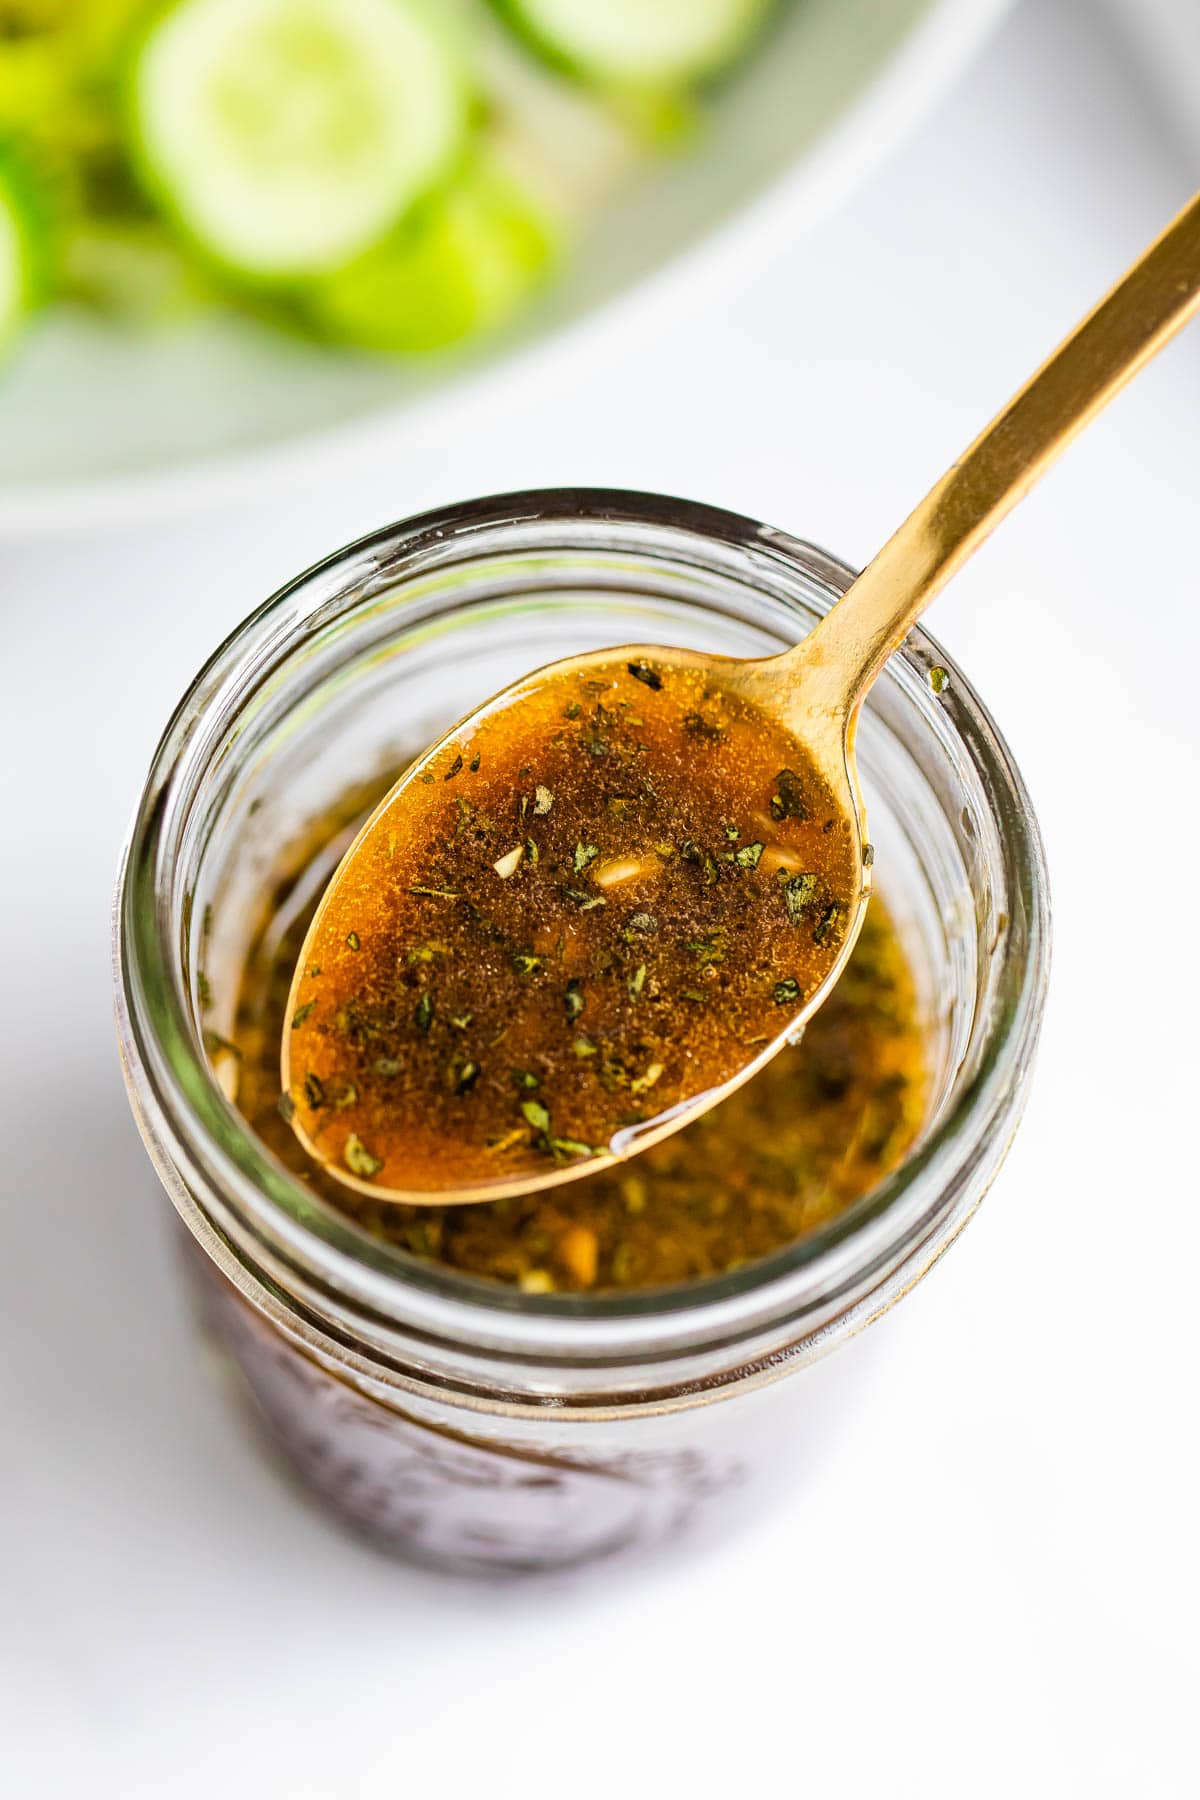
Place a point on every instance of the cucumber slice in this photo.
(455, 269)
(24, 245)
(644, 43)
(288, 135)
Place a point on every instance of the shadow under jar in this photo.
(455, 1419)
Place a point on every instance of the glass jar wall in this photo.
(453, 1418)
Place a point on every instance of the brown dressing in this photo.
(816, 1129)
(598, 905)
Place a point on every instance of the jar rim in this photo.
(161, 1043)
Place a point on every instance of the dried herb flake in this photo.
(536, 1115)
(799, 894)
(788, 801)
(358, 1158)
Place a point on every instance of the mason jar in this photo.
(457, 1420)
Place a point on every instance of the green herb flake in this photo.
(584, 854)
(543, 800)
(536, 1115)
(827, 923)
(732, 833)
(474, 764)
(643, 1082)
(572, 709)
(433, 893)
(460, 1021)
(524, 1078)
(583, 1047)
(749, 856)
(637, 981)
(314, 1091)
(573, 1147)
(641, 671)
(453, 770)
(358, 1158)
(692, 994)
(462, 1074)
(787, 992)
(426, 776)
(301, 1013)
(423, 1015)
(788, 802)
(799, 894)
(939, 678)
(525, 963)
(354, 942)
(709, 949)
(574, 999)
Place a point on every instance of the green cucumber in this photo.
(640, 43)
(25, 244)
(456, 268)
(286, 136)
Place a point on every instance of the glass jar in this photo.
(458, 1420)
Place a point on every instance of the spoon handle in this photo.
(1150, 303)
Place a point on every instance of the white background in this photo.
(989, 1587)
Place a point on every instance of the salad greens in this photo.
(399, 175)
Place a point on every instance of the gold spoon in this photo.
(813, 692)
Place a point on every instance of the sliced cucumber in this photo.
(24, 245)
(455, 269)
(288, 135)
(644, 43)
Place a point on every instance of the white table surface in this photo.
(989, 1587)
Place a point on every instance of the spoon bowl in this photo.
(359, 908)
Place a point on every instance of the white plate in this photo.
(100, 424)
